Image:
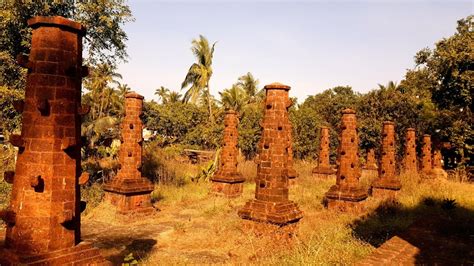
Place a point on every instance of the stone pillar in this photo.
(347, 194)
(371, 163)
(370, 170)
(43, 219)
(271, 203)
(324, 169)
(129, 191)
(426, 157)
(388, 183)
(227, 181)
(437, 170)
(410, 161)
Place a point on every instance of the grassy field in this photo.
(194, 227)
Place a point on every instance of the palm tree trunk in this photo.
(211, 116)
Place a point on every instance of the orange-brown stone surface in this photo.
(388, 182)
(426, 164)
(437, 170)
(228, 181)
(43, 218)
(271, 203)
(324, 168)
(410, 160)
(129, 191)
(347, 194)
(371, 163)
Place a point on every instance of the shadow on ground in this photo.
(433, 232)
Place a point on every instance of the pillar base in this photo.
(387, 184)
(279, 213)
(323, 172)
(130, 196)
(384, 193)
(81, 254)
(345, 199)
(228, 190)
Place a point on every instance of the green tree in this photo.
(162, 92)
(450, 70)
(234, 98)
(199, 74)
(250, 85)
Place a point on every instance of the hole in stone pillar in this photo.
(352, 140)
(129, 154)
(262, 185)
(222, 164)
(269, 106)
(343, 152)
(236, 164)
(383, 171)
(391, 162)
(391, 143)
(69, 225)
(343, 177)
(231, 134)
(413, 160)
(38, 184)
(280, 128)
(266, 146)
(131, 126)
(352, 165)
(343, 127)
(384, 153)
(408, 153)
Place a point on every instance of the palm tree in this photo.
(123, 89)
(97, 83)
(391, 85)
(250, 85)
(234, 98)
(173, 97)
(162, 93)
(200, 73)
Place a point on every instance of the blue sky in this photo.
(309, 45)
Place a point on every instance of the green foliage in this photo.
(129, 260)
(250, 130)
(306, 123)
(200, 73)
(451, 77)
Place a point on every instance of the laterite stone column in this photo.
(426, 157)
(271, 203)
(227, 181)
(437, 170)
(129, 191)
(410, 160)
(323, 170)
(370, 168)
(43, 218)
(388, 183)
(347, 194)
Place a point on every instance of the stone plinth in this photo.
(324, 169)
(347, 194)
(227, 181)
(271, 203)
(437, 170)
(43, 219)
(129, 191)
(388, 182)
(426, 157)
(409, 160)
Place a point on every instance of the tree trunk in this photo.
(211, 116)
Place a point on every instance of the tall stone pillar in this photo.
(129, 191)
(388, 183)
(323, 170)
(426, 157)
(228, 181)
(271, 203)
(43, 218)
(410, 161)
(347, 194)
